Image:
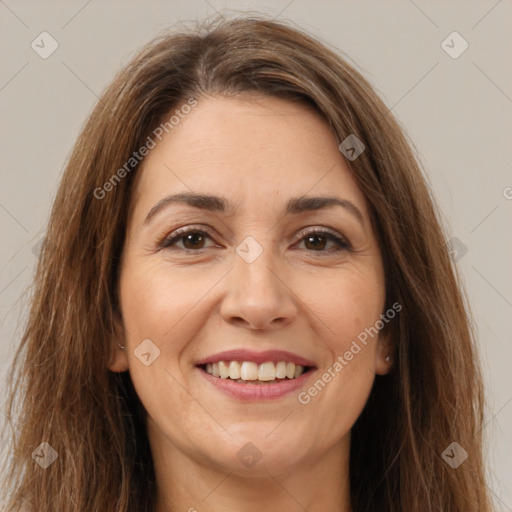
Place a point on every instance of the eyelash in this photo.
(179, 234)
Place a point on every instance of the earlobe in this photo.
(118, 361)
(384, 366)
(383, 355)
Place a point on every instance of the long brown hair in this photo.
(60, 390)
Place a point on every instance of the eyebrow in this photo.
(295, 205)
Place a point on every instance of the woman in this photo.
(245, 300)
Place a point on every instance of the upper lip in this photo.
(256, 357)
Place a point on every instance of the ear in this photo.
(384, 352)
(118, 361)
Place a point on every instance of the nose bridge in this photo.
(256, 293)
(255, 262)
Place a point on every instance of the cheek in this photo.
(157, 305)
(349, 309)
(155, 301)
(348, 305)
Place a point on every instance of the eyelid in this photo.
(179, 232)
(321, 229)
(342, 242)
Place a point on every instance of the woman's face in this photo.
(260, 270)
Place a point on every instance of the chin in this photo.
(252, 451)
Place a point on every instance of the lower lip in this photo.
(255, 392)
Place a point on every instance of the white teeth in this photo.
(248, 371)
(223, 370)
(281, 370)
(234, 370)
(267, 371)
(290, 370)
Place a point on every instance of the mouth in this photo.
(249, 372)
(247, 375)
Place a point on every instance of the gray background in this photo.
(456, 110)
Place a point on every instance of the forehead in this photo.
(255, 151)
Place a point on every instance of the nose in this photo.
(259, 295)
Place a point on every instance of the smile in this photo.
(249, 375)
(245, 372)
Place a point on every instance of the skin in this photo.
(257, 152)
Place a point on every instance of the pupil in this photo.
(190, 238)
(312, 237)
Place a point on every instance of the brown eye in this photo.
(316, 241)
(192, 239)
